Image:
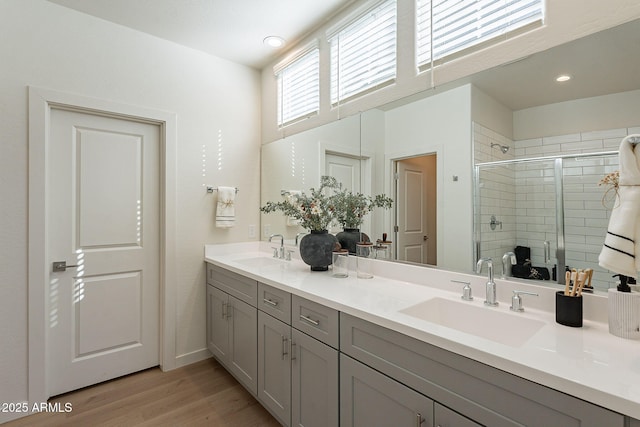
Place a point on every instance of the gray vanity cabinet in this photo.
(231, 326)
(474, 390)
(274, 366)
(297, 373)
(370, 399)
(314, 382)
(445, 417)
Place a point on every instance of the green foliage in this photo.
(316, 211)
(351, 208)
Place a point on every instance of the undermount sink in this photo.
(485, 322)
(261, 261)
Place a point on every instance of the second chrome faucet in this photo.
(490, 299)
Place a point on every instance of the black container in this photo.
(568, 310)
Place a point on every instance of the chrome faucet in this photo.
(278, 252)
(298, 235)
(490, 299)
(508, 259)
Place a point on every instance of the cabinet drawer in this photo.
(275, 302)
(243, 288)
(315, 319)
(477, 391)
(445, 417)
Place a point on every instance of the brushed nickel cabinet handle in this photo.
(271, 303)
(309, 320)
(284, 347)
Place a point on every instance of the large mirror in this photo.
(423, 152)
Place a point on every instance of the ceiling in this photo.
(230, 29)
(599, 64)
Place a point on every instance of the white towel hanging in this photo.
(225, 208)
(621, 250)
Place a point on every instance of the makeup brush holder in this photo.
(624, 314)
(568, 310)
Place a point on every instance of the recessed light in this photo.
(563, 78)
(273, 41)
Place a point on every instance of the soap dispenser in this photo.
(624, 309)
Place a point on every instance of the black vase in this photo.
(349, 237)
(316, 249)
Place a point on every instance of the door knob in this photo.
(60, 266)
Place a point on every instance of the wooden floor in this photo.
(201, 394)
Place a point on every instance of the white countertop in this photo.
(588, 362)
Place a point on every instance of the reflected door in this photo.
(103, 319)
(345, 169)
(416, 209)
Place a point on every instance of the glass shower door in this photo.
(587, 208)
(516, 205)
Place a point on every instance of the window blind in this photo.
(461, 24)
(363, 53)
(298, 85)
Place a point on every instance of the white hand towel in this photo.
(225, 209)
(291, 197)
(621, 250)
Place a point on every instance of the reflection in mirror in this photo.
(512, 112)
(296, 163)
(548, 211)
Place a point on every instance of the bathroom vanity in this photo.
(404, 349)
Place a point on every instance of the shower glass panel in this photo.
(520, 197)
(586, 212)
(553, 207)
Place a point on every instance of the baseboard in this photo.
(193, 357)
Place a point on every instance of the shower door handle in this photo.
(547, 252)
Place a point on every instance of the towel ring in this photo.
(212, 189)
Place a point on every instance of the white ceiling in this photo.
(230, 29)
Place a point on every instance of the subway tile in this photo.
(602, 134)
(560, 139)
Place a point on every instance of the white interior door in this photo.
(103, 180)
(345, 169)
(416, 209)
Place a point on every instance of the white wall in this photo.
(618, 110)
(217, 104)
(441, 124)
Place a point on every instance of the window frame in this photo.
(289, 64)
(348, 25)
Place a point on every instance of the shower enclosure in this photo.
(554, 206)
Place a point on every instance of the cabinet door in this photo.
(445, 417)
(274, 366)
(217, 324)
(243, 343)
(314, 382)
(370, 399)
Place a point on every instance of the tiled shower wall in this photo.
(497, 194)
(523, 196)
